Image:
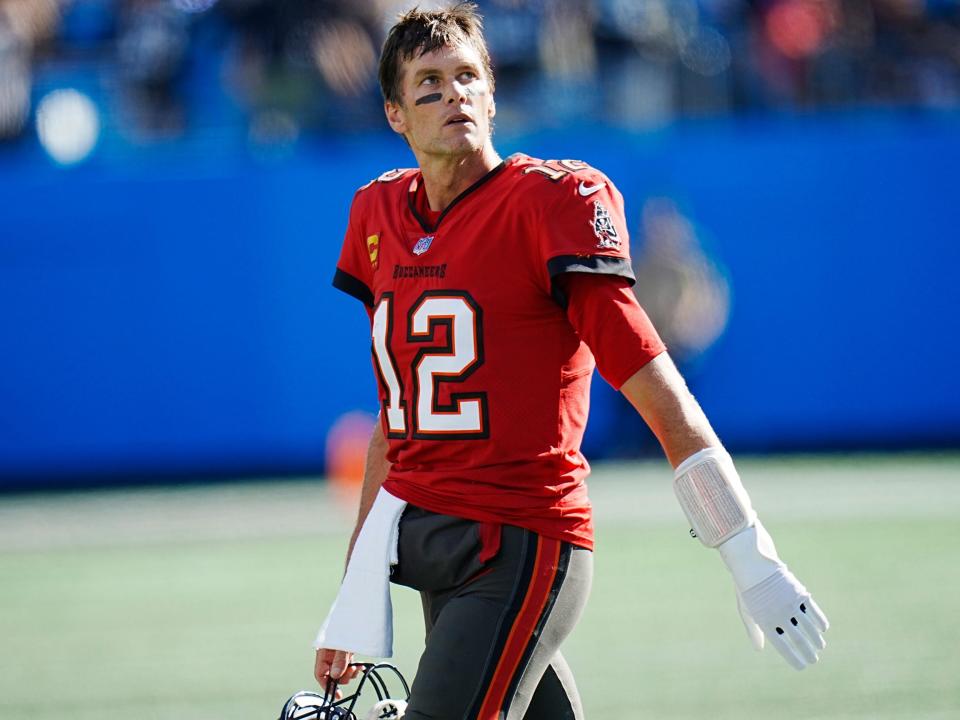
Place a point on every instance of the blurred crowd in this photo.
(278, 68)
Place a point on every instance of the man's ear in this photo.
(395, 117)
(492, 112)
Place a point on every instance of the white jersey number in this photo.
(393, 406)
(451, 360)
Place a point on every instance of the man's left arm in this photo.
(772, 602)
(659, 393)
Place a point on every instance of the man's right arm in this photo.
(331, 662)
(374, 473)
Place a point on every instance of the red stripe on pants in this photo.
(537, 596)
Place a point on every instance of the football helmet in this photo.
(308, 705)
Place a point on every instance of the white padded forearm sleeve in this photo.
(712, 497)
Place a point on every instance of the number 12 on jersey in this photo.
(435, 363)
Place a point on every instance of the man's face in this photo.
(446, 102)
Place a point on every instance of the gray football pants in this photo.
(494, 629)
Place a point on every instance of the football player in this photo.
(493, 287)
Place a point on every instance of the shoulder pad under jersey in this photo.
(388, 177)
(560, 177)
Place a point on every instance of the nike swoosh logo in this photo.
(587, 190)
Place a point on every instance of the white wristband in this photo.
(714, 500)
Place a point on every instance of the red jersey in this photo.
(484, 383)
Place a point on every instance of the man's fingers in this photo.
(321, 667)
(811, 631)
(335, 665)
(809, 608)
(786, 650)
(349, 674)
(340, 669)
(802, 644)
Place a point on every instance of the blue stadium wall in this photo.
(168, 311)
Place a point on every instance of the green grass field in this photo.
(202, 603)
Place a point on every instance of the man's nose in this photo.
(458, 93)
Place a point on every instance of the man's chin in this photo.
(464, 145)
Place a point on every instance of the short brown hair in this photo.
(418, 32)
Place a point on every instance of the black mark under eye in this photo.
(431, 98)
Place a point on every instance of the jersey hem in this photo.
(414, 498)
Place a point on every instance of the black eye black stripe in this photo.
(431, 98)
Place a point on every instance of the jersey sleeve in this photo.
(605, 313)
(583, 229)
(358, 258)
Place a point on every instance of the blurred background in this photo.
(175, 177)
(176, 174)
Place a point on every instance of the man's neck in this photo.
(445, 177)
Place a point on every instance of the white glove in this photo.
(772, 602)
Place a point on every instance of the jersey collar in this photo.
(414, 190)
